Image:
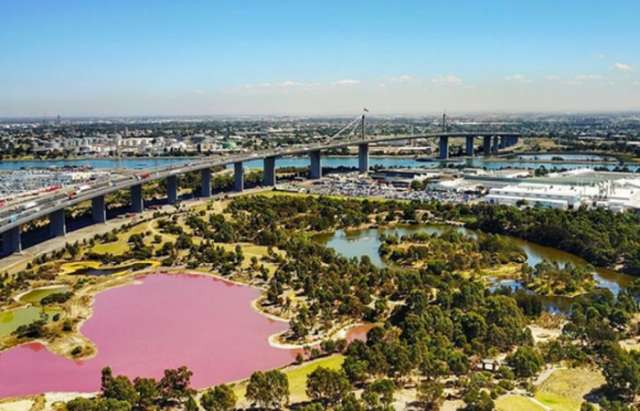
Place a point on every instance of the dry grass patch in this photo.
(517, 402)
(565, 388)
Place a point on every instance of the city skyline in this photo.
(223, 58)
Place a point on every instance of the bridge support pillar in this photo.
(11, 241)
(495, 143)
(269, 171)
(137, 203)
(205, 183)
(315, 171)
(363, 158)
(443, 148)
(469, 146)
(57, 224)
(238, 176)
(98, 210)
(172, 189)
(486, 145)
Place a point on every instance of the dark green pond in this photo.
(110, 270)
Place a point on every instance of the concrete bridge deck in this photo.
(53, 207)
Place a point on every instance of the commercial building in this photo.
(615, 195)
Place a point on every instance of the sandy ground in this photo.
(18, 405)
(541, 334)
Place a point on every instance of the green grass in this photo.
(565, 389)
(12, 319)
(68, 268)
(120, 246)
(516, 402)
(34, 296)
(297, 376)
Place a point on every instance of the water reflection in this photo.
(110, 270)
(367, 242)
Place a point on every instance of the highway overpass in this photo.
(53, 206)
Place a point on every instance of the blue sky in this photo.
(301, 57)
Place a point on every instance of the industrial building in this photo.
(614, 195)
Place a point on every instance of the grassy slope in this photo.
(565, 388)
(297, 376)
(516, 402)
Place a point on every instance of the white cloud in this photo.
(448, 79)
(198, 92)
(623, 67)
(346, 82)
(552, 77)
(583, 77)
(286, 84)
(403, 78)
(290, 83)
(636, 83)
(521, 78)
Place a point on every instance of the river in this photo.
(571, 162)
(367, 242)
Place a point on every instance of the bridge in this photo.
(53, 206)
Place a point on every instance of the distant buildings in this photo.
(617, 196)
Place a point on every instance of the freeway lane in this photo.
(158, 174)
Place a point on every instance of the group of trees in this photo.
(173, 390)
(433, 322)
(443, 323)
(600, 236)
(550, 278)
(452, 250)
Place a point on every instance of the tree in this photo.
(268, 389)
(355, 369)
(622, 371)
(477, 400)
(147, 389)
(327, 385)
(97, 404)
(525, 362)
(430, 394)
(34, 329)
(120, 388)
(350, 403)
(175, 385)
(191, 405)
(220, 398)
(117, 388)
(379, 394)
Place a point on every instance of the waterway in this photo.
(111, 270)
(367, 242)
(571, 162)
(163, 321)
(98, 163)
(565, 157)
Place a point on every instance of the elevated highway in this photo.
(53, 206)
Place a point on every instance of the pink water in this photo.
(165, 322)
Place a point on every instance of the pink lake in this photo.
(165, 322)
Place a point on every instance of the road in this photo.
(45, 205)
